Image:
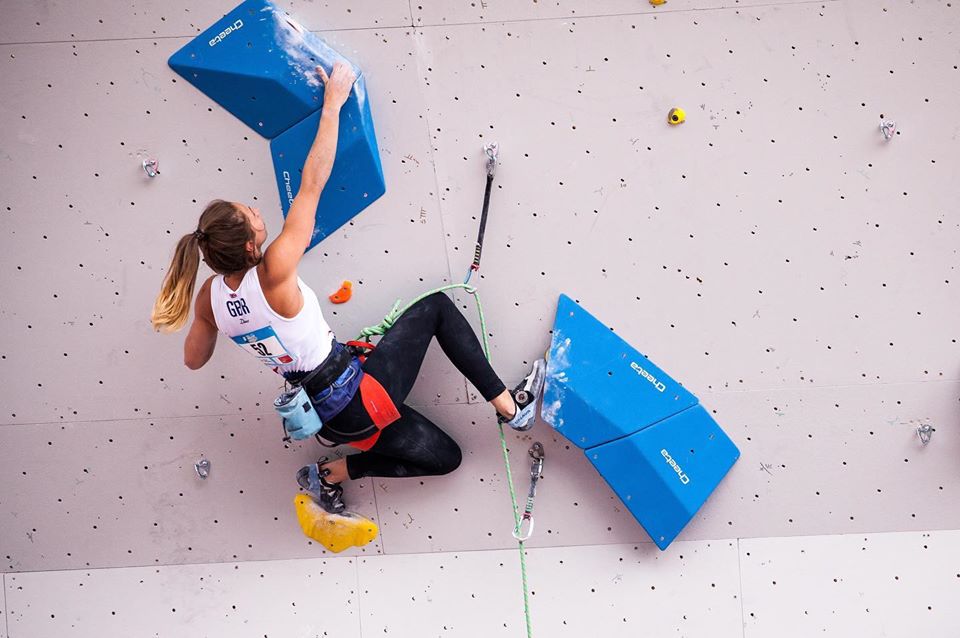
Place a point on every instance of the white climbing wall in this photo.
(773, 253)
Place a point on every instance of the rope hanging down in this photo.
(492, 151)
(381, 329)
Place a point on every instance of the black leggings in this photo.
(413, 445)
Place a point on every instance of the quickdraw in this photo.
(492, 152)
(536, 471)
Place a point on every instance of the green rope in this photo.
(394, 314)
(382, 328)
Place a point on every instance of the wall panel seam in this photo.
(6, 610)
(743, 625)
(154, 38)
(360, 594)
(627, 14)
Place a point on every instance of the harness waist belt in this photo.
(326, 373)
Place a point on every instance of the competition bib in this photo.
(264, 345)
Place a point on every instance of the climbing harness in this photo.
(379, 406)
(299, 406)
(925, 432)
(492, 151)
(316, 397)
(536, 471)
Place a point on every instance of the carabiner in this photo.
(151, 167)
(523, 536)
(202, 468)
(888, 128)
(536, 470)
(536, 451)
(493, 152)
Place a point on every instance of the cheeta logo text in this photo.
(230, 29)
(649, 377)
(286, 185)
(676, 468)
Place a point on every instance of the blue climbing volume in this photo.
(259, 64)
(649, 438)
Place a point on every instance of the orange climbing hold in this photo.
(343, 295)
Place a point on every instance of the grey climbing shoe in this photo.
(328, 495)
(526, 396)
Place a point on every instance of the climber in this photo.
(258, 300)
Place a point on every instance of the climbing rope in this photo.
(380, 329)
(491, 151)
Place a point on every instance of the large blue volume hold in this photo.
(356, 178)
(598, 387)
(665, 472)
(649, 438)
(260, 65)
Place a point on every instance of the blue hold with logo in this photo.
(259, 63)
(649, 438)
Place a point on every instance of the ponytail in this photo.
(222, 235)
(172, 307)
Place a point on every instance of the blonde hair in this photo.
(221, 236)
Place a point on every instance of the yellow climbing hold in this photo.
(676, 116)
(657, 3)
(336, 532)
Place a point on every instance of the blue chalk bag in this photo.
(300, 418)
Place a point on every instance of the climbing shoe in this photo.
(328, 495)
(526, 396)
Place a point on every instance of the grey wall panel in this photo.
(466, 510)
(897, 584)
(857, 466)
(802, 375)
(62, 21)
(807, 467)
(615, 589)
(443, 594)
(470, 509)
(287, 598)
(773, 240)
(91, 236)
(838, 460)
(693, 591)
(125, 493)
(439, 12)
(865, 584)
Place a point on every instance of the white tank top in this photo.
(298, 344)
